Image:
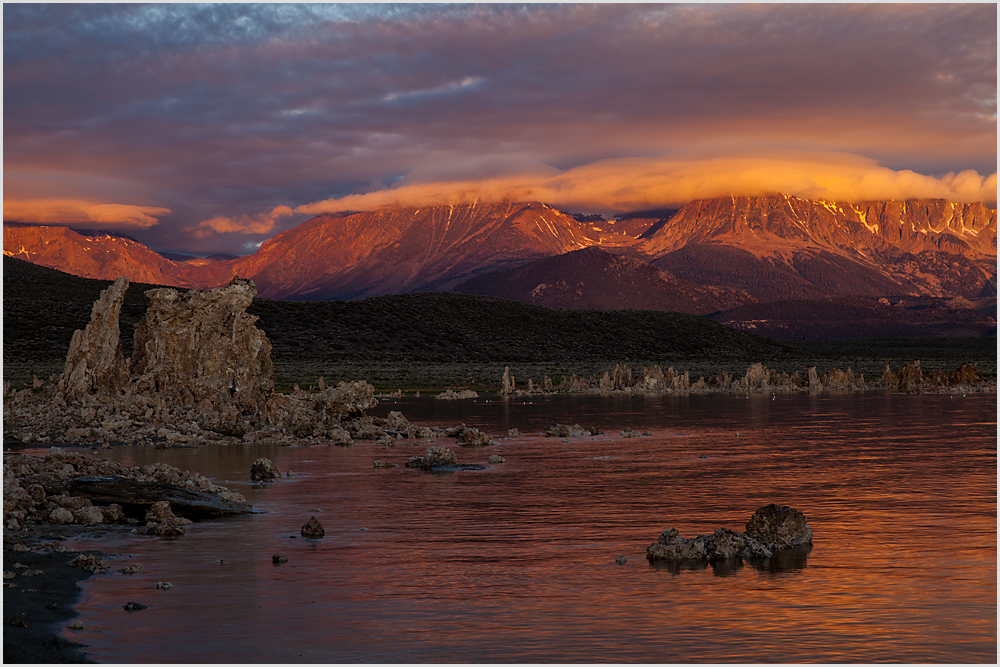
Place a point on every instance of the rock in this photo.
(513, 433)
(134, 606)
(61, 515)
(203, 345)
(473, 437)
(95, 365)
(563, 431)
(383, 464)
(131, 569)
(496, 458)
(90, 563)
(88, 516)
(621, 559)
(507, 382)
(133, 493)
(313, 528)
(434, 457)
(262, 470)
(75, 624)
(628, 432)
(278, 559)
(160, 520)
(163, 585)
(779, 527)
(449, 394)
(769, 529)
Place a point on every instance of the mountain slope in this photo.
(402, 250)
(100, 255)
(778, 246)
(593, 278)
(773, 247)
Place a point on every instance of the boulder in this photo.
(496, 458)
(473, 437)
(95, 365)
(769, 530)
(779, 527)
(564, 431)
(313, 528)
(160, 520)
(449, 394)
(434, 457)
(90, 563)
(262, 470)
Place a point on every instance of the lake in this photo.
(516, 563)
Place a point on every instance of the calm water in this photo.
(516, 563)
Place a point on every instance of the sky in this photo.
(210, 128)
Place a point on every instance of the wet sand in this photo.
(42, 602)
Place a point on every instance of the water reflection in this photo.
(515, 563)
(782, 562)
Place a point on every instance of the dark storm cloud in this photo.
(227, 114)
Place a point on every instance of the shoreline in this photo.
(37, 607)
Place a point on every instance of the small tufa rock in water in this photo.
(496, 458)
(473, 437)
(163, 586)
(770, 529)
(75, 624)
(313, 528)
(131, 569)
(513, 433)
(278, 559)
(262, 470)
(629, 433)
(160, 520)
(383, 464)
(779, 527)
(133, 606)
(434, 457)
(621, 559)
(90, 563)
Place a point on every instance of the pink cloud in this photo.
(262, 223)
(636, 183)
(71, 212)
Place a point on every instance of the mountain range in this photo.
(711, 256)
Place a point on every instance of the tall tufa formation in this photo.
(95, 364)
(507, 382)
(203, 345)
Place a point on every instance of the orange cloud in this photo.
(71, 212)
(262, 223)
(637, 183)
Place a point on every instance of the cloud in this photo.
(262, 223)
(78, 213)
(637, 183)
(219, 111)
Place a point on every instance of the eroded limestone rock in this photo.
(313, 528)
(95, 365)
(434, 457)
(203, 344)
(770, 529)
(779, 527)
(262, 470)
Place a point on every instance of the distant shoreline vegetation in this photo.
(440, 340)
